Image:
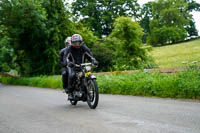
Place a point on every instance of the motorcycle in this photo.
(85, 86)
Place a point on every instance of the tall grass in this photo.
(179, 85)
(41, 81)
(177, 55)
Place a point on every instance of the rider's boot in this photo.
(70, 96)
(66, 90)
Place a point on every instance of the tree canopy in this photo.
(99, 15)
(170, 17)
(32, 32)
(147, 15)
(37, 29)
(126, 41)
(7, 55)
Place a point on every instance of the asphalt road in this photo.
(43, 110)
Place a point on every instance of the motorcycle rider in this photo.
(61, 61)
(68, 41)
(76, 53)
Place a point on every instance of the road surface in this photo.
(43, 110)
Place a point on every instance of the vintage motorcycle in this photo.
(85, 86)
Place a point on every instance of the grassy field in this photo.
(177, 55)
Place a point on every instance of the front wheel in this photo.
(73, 102)
(92, 94)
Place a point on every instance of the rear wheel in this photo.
(92, 94)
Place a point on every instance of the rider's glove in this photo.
(71, 64)
(95, 62)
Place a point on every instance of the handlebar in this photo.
(84, 64)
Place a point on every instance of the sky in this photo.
(196, 15)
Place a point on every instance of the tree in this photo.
(25, 24)
(191, 29)
(126, 41)
(99, 15)
(192, 6)
(37, 29)
(104, 56)
(7, 56)
(59, 27)
(146, 13)
(146, 16)
(88, 36)
(170, 17)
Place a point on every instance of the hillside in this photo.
(177, 55)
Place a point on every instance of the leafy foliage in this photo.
(146, 16)
(25, 23)
(162, 13)
(125, 39)
(104, 55)
(99, 15)
(59, 27)
(192, 6)
(191, 29)
(6, 52)
(169, 19)
(33, 31)
(37, 29)
(89, 38)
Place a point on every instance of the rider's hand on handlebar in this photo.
(95, 62)
(71, 64)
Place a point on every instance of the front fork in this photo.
(86, 79)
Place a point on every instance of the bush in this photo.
(126, 43)
(104, 56)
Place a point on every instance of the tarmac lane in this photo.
(43, 110)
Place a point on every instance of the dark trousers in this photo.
(68, 75)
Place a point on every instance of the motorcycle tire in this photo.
(92, 94)
(73, 102)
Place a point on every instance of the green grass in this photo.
(174, 55)
(180, 85)
(41, 81)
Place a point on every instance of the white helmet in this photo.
(68, 41)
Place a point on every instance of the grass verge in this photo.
(179, 85)
(41, 81)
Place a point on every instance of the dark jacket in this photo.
(77, 56)
(61, 56)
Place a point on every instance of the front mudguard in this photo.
(92, 77)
